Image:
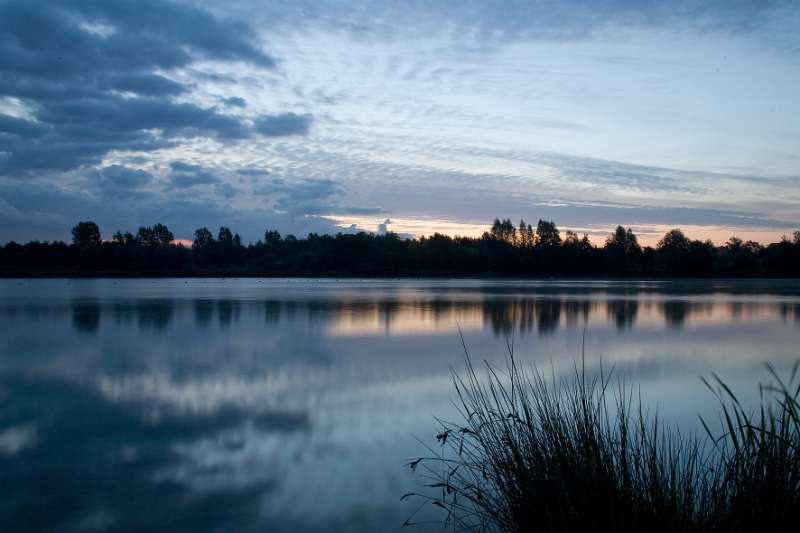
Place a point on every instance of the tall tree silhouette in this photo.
(622, 251)
(202, 238)
(86, 234)
(158, 235)
(547, 234)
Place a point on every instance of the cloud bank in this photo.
(307, 116)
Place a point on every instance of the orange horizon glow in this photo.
(647, 234)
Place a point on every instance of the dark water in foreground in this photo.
(291, 405)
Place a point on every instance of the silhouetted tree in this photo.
(86, 234)
(585, 243)
(162, 234)
(672, 252)
(783, 258)
(497, 229)
(525, 236)
(740, 257)
(124, 238)
(701, 259)
(547, 234)
(145, 236)
(504, 231)
(622, 251)
(571, 239)
(202, 238)
(158, 235)
(674, 239)
(272, 237)
(225, 237)
(624, 240)
(676, 255)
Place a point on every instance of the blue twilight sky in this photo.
(415, 116)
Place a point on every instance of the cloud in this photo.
(186, 176)
(304, 197)
(226, 190)
(310, 197)
(146, 84)
(283, 124)
(251, 172)
(122, 181)
(180, 166)
(310, 189)
(359, 210)
(126, 177)
(451, 111)
(14, 439)
(96, 82)
(235, 101)
(490, 23)
(18, 127)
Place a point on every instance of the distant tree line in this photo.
(505, 250)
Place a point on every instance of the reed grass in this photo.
(533, 452)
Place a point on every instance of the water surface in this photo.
(292, 405)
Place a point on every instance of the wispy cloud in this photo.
(283, 124)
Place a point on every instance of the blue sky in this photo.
(331, 116)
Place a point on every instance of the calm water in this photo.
(292, 405)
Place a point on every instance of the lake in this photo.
(294, 404)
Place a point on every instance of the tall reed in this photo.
(533, 452)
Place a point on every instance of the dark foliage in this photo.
(505, 250)
(86, 234)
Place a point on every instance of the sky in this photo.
(407, 116)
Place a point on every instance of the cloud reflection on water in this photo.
(289, 405)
